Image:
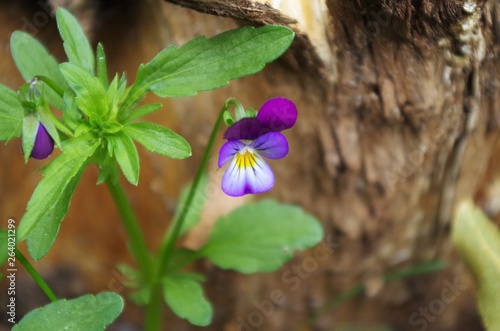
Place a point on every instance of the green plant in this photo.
(94, 121)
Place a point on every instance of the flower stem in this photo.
(137, 242)
(52, 84)
(168, 242)
(36, 276)
(153, 309)
(166, 249)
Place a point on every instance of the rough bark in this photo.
(399, 120)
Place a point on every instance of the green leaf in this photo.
(50, 200)
(102, 68)
(250, 113)
(141, 296)
(205, 64)
(47, 119)
(111, 93)
(158, 139)
(76, 44)
(111, 127)
(477, 240)
(180, 258)
(261, 237)
(11, 114)
(71, 113)
(107, 167)
(116, 92)
(228, 118)
(193, 214)
(184, 295)
(43, 235)
(126, 155)
(85, 313)
(91, 96)
(32, 59)
(141, 111)
(30, 129)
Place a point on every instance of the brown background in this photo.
(398, 120)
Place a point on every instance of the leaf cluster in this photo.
(101, 120)
(95, 120)
(254, 238)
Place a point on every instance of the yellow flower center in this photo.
(245, 159)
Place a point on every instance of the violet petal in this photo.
(228, 150)
(44, 144)
(247, 128)
(277, 114)
(247, 173)
(272, 145)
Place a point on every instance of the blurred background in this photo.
(399, 113)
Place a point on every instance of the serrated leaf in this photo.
(11, 114)
(261, 237)
(184, 295)
(205, 64)
(85, 313)
(90, 94)
(157, 139)
(32, 59)
(477, 240)
(50, 200)
(193, 213)
(141, 111)
(126, 155)
(43, 236)
(76, 45)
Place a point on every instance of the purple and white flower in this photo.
(252, 139)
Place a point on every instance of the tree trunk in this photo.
(399, 113)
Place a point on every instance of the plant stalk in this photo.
(137, 242)
(36, 276)
(52, 84)
(153, 314)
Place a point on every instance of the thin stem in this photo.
(153, 313)
(421, 269)
(137, 242)
(168, 242)
(36, 276)
(153, 309)
(53, 85)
